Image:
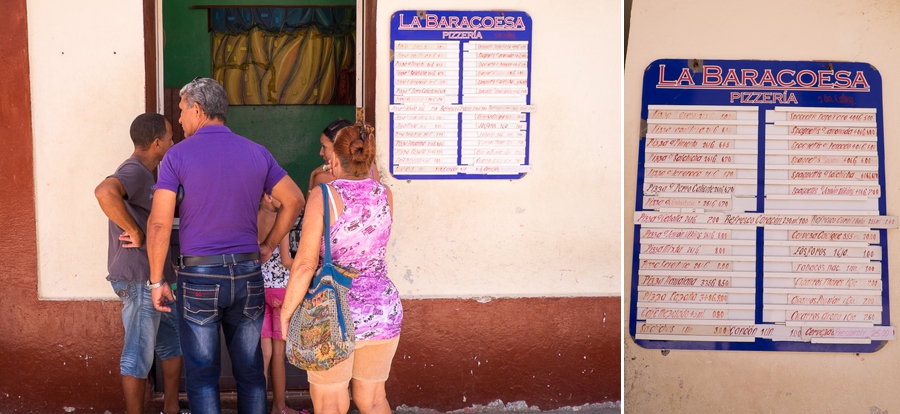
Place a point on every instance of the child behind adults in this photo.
(275, 275)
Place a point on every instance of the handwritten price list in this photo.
(822, 160)
(693, 274)
(460, 108)
(700, 157)
(821, 301)
(699, 246)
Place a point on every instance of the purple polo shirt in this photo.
(224, 176)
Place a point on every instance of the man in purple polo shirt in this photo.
(224, 176)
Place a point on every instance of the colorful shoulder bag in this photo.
(321, 333)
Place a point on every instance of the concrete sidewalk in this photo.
(607, 408)
(499, 407)
(300, 400)
(519, 407)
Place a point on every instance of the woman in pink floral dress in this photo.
(361, 216)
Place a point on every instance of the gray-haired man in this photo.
(224, 176)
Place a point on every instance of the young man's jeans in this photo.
(232, 296)
(146, 329)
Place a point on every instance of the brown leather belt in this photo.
(218, 259)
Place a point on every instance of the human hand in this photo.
(324, 171)
(285, 324)
(132, 241)
(265, 252)
(161, 297)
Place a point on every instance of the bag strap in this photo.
(327, 231)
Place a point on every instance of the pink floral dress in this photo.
(359, 240)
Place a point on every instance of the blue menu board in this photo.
(460, 94)
(760, 218)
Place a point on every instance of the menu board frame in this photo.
(493, 160)
(717, 85)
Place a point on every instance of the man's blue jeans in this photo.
(146, 329)
(232, 296)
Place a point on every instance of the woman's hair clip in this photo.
(363, 132)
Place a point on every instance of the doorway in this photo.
(178, 43)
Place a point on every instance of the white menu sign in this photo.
(460, 102)
(760, 220)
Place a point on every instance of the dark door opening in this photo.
(298, 126)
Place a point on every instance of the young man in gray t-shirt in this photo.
(126, 197)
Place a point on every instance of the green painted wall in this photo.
(290, 132)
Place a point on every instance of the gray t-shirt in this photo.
(132, 265)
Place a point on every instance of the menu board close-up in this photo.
(760, 218)
(460, 94)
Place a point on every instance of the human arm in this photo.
(285, 247)
(312, 180)
(159, 230)
(111, 195)
(307, 259)
(319, 176)
(291, 199)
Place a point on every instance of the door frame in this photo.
(153, 58)
(155, 96)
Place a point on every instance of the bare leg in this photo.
(330, 399)
(266, 344)
(134, 394)
(278, 378)
(370, 397)
(171, 378)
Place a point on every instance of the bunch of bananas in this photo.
(262, 68)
